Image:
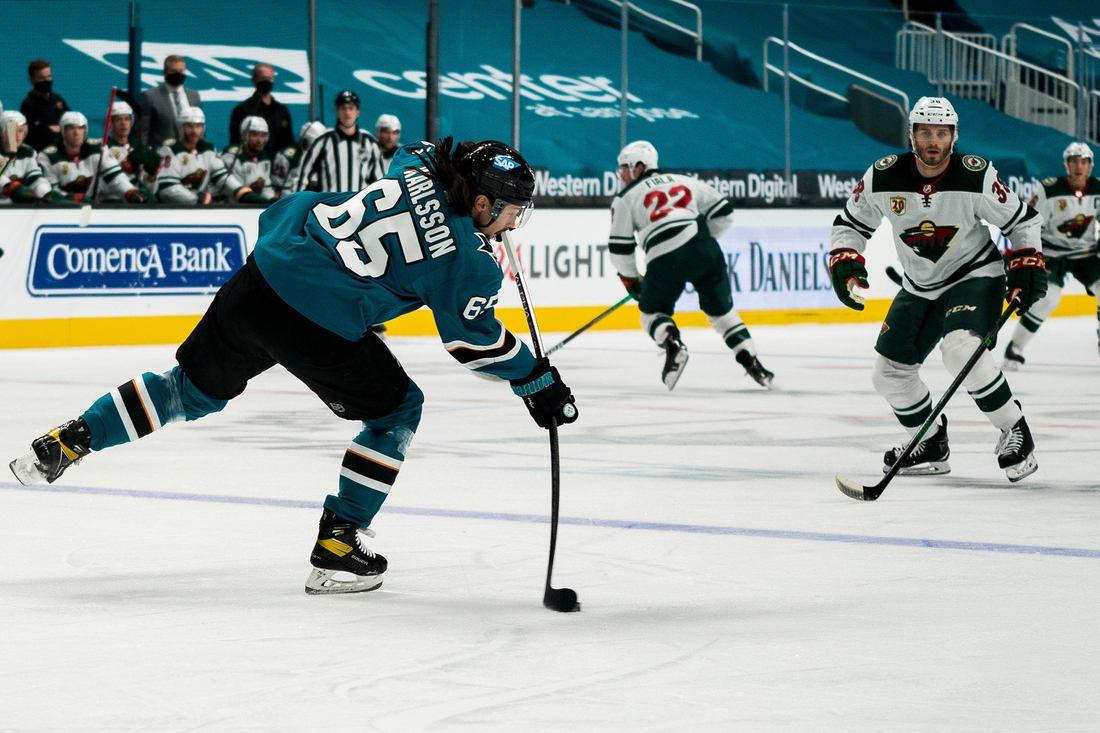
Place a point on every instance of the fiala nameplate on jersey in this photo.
(134, 260)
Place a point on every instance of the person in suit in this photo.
(162, 105)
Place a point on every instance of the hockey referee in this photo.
(345, 158)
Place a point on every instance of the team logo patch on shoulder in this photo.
(897, 205)
(929, 240)
(49, 149)
(884, 163)
(233, 149)
(1050, 181)
(974, 163)
(504, 163)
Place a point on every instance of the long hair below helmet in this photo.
(488, 168)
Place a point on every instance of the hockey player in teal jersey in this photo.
(326, 266)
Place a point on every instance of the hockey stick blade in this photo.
(894, 275)
(562, 600)
(870, 493)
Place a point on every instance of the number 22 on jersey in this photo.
(657, 201)
(360, 234)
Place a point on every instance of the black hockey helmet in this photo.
(347, 97)
(500, 172)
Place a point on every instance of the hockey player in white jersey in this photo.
(73, 168)
(287, 162)
(935, 200)
(21, 178)
(139, 161)
(250, 163)
(675, 219)
(1069, 207)
(193, 172)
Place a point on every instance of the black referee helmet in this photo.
(347, 97)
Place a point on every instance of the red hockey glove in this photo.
(1027, 277)
(633, 285)
(849, 271)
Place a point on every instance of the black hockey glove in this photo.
(1027, 277)
(546, 396)
(849, 271)
(633, 285)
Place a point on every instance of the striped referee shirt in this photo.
(340, 162)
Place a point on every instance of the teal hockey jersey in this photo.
(349, 260)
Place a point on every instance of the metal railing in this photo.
(696, 34)
(904, 98)
(967, 69)
(1010, 44)
(1092, 127)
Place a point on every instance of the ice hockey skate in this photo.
(54, 452)
(929, 458)
(754, 368)
(676, 358)
(341, 562)
(1014, 358)
(1016, 452)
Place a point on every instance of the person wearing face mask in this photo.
(162, 106)
(42, 108)
(262, 104)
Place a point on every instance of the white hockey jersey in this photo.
(186, 174)
(937, 224)
(73, 176)
(255, 172)
(131, 161)
(1069, 218)
(23, 171)
(661, 212)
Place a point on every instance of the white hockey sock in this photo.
(904, 390)
(733, 331)
(985, 383)
(1035, 316)
(657, 325)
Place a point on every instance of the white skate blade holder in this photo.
(26, 470)
(672, 377)
(330, 582)
(934, 468)
(1023, 469)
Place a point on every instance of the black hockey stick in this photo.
(870, 493)
(588, 325)
(557, 599)
(894, 275)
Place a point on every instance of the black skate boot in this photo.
(1016, 452)
(676, 358)
(1014, 358)
(340, 550)
(51, 454)
(929, 458)
(754, 368)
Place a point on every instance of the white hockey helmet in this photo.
(639, 151)
(121, 108)
(16, 117)
(1081, 149)
(253, 123)
(387, 122)
(194, 115)
(934, 111)
(73, 119)
(311, 131)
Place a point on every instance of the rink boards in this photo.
(133, 276)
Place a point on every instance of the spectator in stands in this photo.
(42, 108)
(387, 131)
(262, 104)
(139, 161)
(344, 158)
(248, 162)
(21, 178)
(288, 161)
(74, 170)
(162, 106)
(193, 172)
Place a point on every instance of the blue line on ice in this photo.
(781, 534)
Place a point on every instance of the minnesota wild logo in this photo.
(1075, 227)
(194, 179)
(928, 240)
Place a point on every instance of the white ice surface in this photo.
(759, 598)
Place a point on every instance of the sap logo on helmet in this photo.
(504, 163)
